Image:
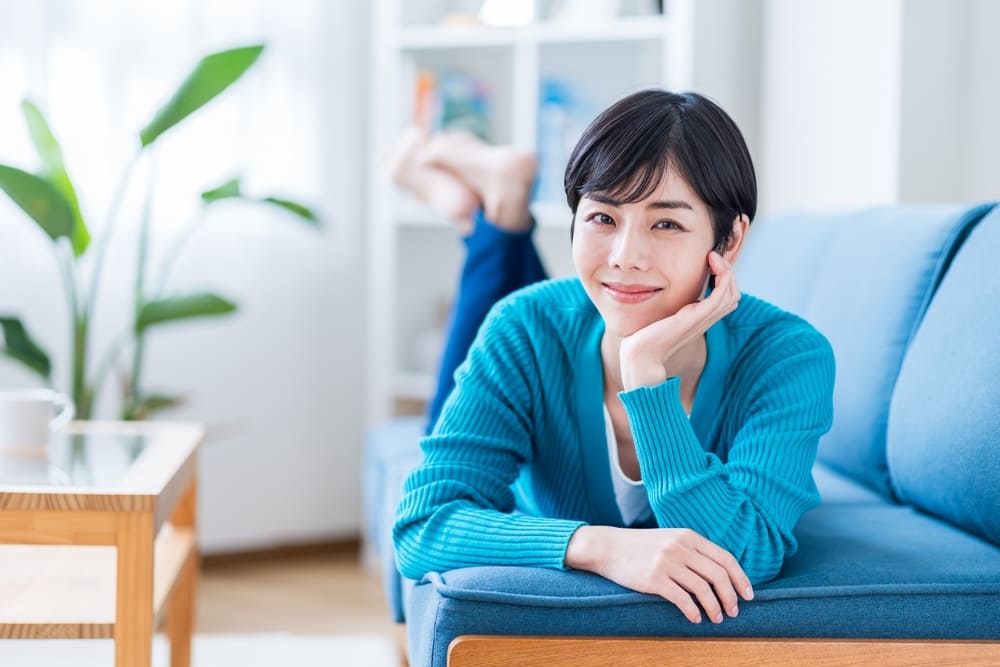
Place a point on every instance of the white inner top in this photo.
(630, 494)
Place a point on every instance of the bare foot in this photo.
(502, 176)
(442, 190)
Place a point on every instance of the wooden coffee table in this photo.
(97, 538)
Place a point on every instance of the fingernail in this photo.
(697, 619)
(748, 593)
(718, 619)
(734, 612)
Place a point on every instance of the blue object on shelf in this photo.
(562, 117)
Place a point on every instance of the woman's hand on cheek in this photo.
(677, 564)
(644, 354)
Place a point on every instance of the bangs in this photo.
(636, 186)
(626, 159)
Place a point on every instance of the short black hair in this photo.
(625, 151)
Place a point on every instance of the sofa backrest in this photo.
(944, 424)
(864, 279)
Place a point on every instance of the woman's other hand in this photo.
(644, 354)
(677, 564)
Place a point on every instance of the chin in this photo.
(622, 327)
(625, 321)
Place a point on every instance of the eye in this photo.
(601, 219)
(667, 224)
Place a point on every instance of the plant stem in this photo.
(82, 394)
(102, 248)
(142, 252)
(79, 392)
(112, 352)
(174, 251)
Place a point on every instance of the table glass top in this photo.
(99, 460)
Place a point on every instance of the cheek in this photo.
(586, 254)
(687, 267)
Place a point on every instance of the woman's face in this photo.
(642, 262)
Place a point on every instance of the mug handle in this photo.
(67, 410)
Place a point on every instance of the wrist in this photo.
(641, 373)
(638, 367)
(584, 550)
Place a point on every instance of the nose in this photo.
(629, 250)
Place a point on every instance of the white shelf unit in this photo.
(413, 255)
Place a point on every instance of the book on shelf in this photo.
(452, 100)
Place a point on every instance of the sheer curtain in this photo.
(278, 381)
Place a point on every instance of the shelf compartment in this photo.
(68, 592)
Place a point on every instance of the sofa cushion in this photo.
(392, 452)
(944, 425)
(835, 488)
(862, 571)
(863, 279)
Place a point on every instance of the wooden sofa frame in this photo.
(490, 650)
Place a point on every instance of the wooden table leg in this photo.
(180, 619)
(181, 606)
(134, 593)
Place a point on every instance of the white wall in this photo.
(935, 95)
(868, 103)
(727, 60)
(982, 165)
(830, 109)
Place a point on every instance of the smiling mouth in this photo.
(630, 293)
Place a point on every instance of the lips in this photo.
(630, 293)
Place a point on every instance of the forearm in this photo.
(746, 506)
(460, 534)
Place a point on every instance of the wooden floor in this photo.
(313, 594)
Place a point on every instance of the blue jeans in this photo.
(497, 262)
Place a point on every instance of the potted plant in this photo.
(49, 199)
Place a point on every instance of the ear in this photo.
(741, 225)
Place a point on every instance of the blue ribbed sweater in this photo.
(518, 459)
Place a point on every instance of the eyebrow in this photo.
(666, 204)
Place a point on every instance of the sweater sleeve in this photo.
(750, 504)
(457, 508)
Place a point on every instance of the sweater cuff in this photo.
(665, 444)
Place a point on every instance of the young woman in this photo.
(641, 421)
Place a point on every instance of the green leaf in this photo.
(54, 170)
(202, 304)
(229, 189)
(19, 346)
(211, 76)
(39, 199)
(298, 209)
(232, 189)
(154, 403)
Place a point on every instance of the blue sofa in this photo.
(905, 543)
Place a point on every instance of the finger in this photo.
(726, 290)
(714, 573)
(717, 262)
(682, 600)
(724, 277)
(702, 591)
(720, 302)
(739, 579)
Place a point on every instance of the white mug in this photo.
(26, 416)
